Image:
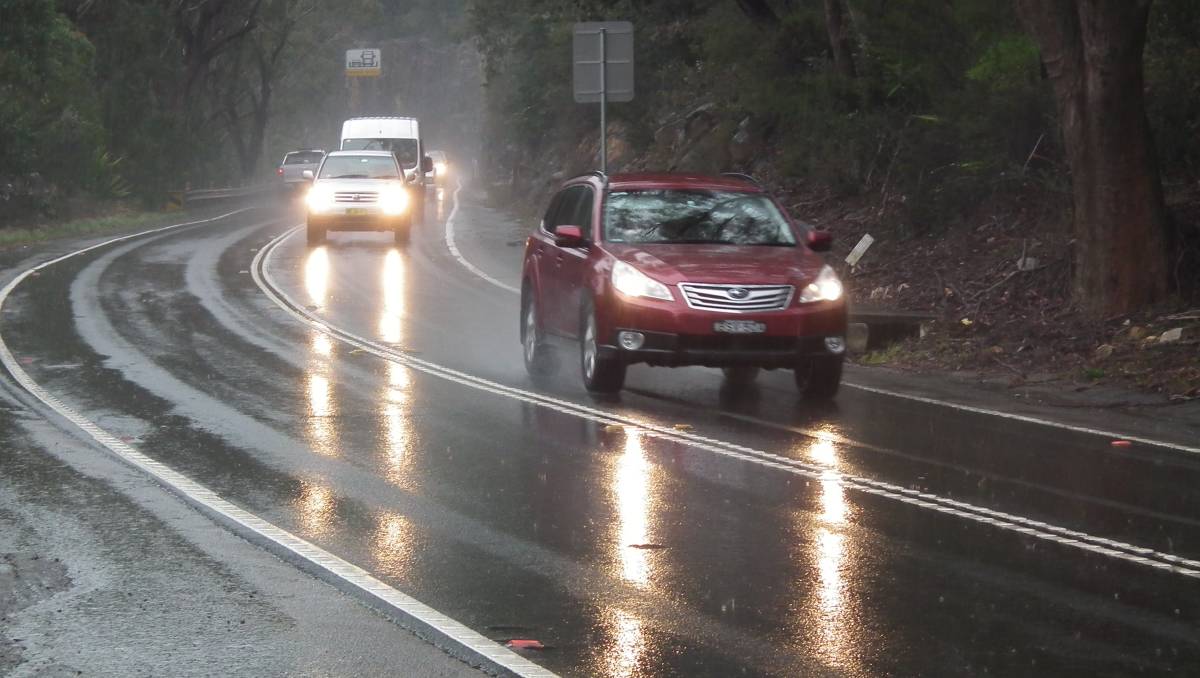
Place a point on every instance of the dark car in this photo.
(681, 270)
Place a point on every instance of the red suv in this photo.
(681, 270)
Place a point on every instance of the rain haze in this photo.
(699, 338)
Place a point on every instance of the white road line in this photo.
(402, 609)
(453, 247)
(1028, 419)
(260, 270)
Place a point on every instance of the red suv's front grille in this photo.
(736, 298)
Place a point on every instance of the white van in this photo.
(401, 136)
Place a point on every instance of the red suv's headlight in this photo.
(826, 287)
(632, 282)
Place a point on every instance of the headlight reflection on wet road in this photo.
(391, 321)
(628, 645)
(632, 479)
(316, 507)
(829, 552)
(398, 435)
(394, 408)
(316, 276)
(631, 485)
(392, 544)
(321, 406)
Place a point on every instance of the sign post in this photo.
(603, 69)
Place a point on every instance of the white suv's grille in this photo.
(356, 197)
(737, 298)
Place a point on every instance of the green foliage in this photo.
(49, 122)
(1173, 84)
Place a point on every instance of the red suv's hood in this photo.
(740, 264)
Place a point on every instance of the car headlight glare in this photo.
(319, 198)
(826, 287)
(632, 282)
(393, 200)
(439, 167)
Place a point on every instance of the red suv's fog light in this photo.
(631, 341)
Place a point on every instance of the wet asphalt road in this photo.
(648, 535)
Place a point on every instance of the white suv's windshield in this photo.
(694, 216)
(359, 167)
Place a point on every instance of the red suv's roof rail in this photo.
(743, 176)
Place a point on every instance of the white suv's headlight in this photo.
(826, 287)
(319, 198)
(632, 282)
(393, 200)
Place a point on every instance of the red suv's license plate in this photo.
(739, 327)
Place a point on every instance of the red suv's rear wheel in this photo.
(601, 374)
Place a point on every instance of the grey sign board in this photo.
(613, 40)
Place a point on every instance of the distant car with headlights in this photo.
(441, 167)
(359, 191)
(680, 270)
(291, 168)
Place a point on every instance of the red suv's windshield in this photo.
(694, 216)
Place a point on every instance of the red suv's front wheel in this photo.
(819, 378)
(601, 374)
(538, 360)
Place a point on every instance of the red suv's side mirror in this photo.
(820, 241)
(569, 236)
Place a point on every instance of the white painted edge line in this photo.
(351, 579)
(260, 270)
(1028, 419)
(453, 247)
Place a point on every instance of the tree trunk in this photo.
(839, 38)
(1092, 51)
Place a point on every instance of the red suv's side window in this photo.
(548, 220)
(582, 216)
(568, 208)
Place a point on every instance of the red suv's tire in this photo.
(741, 376)
(539, 358)
(600, 374)
(819, 378)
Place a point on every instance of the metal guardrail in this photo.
(211, 195)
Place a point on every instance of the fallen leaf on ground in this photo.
(1121, 443)
(525, 644)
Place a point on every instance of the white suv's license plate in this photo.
(739, 327)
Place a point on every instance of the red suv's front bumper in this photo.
(675, 334)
